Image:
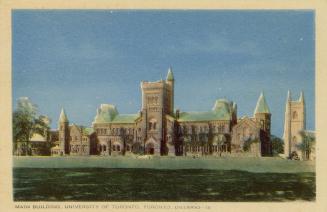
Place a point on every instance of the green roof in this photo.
(106, 113)
(170, 76)
(63, 117)
(125, 118)
(88, 130)
(220, 111)
(262, 106)
(202, 116)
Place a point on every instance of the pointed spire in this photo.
(63, 117)
(170, 76)
(289, 98)
(301, 99)
(262, 106)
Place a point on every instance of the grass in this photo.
(265, 164)
(104, 184)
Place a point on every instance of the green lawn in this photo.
(104, 184)
(264, 164)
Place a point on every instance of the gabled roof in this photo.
(262, 106)
(248, 122)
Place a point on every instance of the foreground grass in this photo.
(99, 184)
(265, 164)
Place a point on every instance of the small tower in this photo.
(263, 116)
(170, 90)
(63, 125)
(294, 123)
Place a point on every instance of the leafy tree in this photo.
(248, 143)
(277, 145)
(26, 122)
(307, 144)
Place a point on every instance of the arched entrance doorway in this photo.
(150, 147)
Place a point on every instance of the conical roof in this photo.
(301, 99)
(289, 98)
(63, 117)
(170, 76)
(262, 106)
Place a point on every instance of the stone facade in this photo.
(293, 126)
(158, 129)
(72, 139)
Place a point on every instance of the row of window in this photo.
(115, 131)
(75, 138)
(115, 148)
(205, 148)
(77, 148)
(205, 129)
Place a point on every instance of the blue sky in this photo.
(78, 59)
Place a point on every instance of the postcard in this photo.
(144, 107)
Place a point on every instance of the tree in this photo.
(307, 144)
(277, 145)
(248, 143)
(26, 122)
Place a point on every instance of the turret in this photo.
(302, 102)
(262, 113)
(263, 116)
(287, 126)
(170, 75)
(170, 90)
(63, 125)
(294, 124)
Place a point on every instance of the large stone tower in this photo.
(293, 125)
(63, 124)
(157, 101)
(263, 116)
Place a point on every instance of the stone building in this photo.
(73, 139)
(37, 145)
(293, 126)
(158, 129)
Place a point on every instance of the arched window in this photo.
(294, 115)
(118, 148)
(294, 139)
(104, 148)
(152, 124)
(114, 148)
